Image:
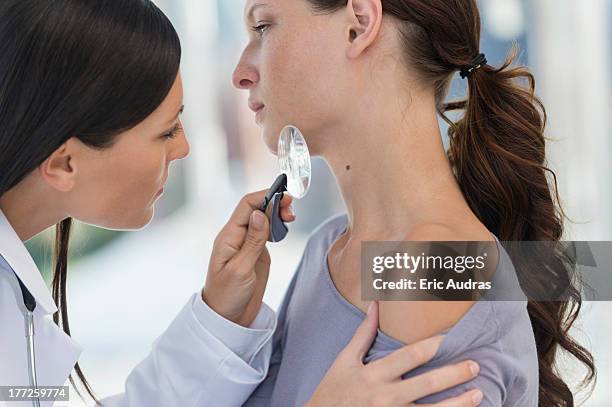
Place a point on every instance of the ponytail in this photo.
(62, 238)
(497, 151)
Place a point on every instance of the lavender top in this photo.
(316, 322)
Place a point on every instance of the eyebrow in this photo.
(177, 114)
(252, 9)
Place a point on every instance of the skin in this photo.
(107, 188)
(339, 77)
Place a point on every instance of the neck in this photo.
(29, 210)
(394, 173)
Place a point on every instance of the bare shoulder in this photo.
(411, 321)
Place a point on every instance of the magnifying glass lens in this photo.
(294, 160)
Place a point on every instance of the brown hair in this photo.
(497, 151)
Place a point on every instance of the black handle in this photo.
(271, 206)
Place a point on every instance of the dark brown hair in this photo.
(497, 151)
(88, 69)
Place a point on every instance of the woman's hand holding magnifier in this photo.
(240, 263)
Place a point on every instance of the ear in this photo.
(58, 170)
(365, 21)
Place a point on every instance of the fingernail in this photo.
(257, 220)
(291, 212)
(474, 368)
(477, 397)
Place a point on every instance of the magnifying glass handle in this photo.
(278, 229)
(271, 206)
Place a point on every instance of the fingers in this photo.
(468, 399)
(250, 202)
(287, 214)
(407, 358)
(438, 380)
(286, 211)
(229, 241)
(365, 334)
(254, 243)
(286, 200)
(246, 206)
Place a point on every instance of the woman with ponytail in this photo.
(366, 81)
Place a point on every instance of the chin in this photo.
(147, 218)
(129, 221)
(139, 222)
(270, 137)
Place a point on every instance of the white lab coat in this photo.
(200, 360)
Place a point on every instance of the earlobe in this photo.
(365, 22)
(58, 170)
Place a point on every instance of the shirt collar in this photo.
(18, 258)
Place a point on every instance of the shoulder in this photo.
(509, 370)
(411, 321)
(498, 336)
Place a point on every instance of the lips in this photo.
(255, 105)
(161, 190)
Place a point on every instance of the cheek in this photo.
(125, 189)
(147, 174)
(298, 76)
(294, 71)
(143, 177)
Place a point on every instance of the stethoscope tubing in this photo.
(29, 326)
(28, 316)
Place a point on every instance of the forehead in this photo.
(251, 5)
(286, 7)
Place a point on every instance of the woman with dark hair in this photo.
(366, 82)
(90, 104)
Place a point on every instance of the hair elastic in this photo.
(468, 70)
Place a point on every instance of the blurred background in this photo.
(125, 288)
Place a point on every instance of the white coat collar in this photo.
(17, 256)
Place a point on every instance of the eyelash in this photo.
(260, 29)
(172, 133)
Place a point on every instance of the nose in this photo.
(180, 148)
(184, 149)
(245, 74)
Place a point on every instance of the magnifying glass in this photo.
(295, 168)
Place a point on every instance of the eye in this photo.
(260, 29)
(172, 133)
